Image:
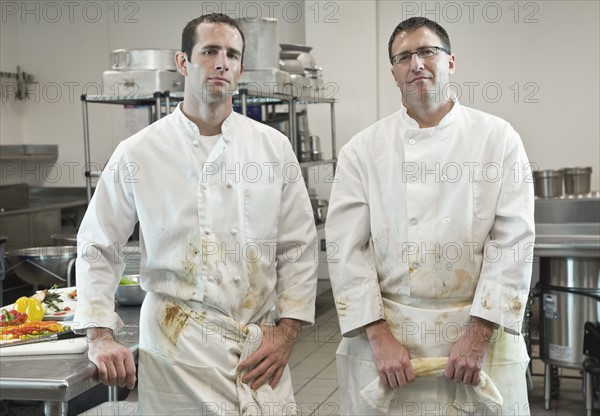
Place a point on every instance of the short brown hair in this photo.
(188, 36)
(413, 23)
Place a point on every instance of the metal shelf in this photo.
(161, 103)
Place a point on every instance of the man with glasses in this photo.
(432, 217)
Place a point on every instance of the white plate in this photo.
(52, 315)
(59, 315)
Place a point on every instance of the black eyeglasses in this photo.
(424, 53)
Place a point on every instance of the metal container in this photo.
(315, 147)
(577, 180)
(548, 183)
(46, 266)
(130, 295)
(570, 296)
(262, 42)
(143, 59)
(131, 251)
(64, 239)
(137, 82)
(320, 207)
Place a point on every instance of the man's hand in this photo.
(467, 354)
(391, 357)
(114, 360)
(267, 364)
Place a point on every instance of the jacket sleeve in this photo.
(503, 287)
(297, 251)
(350, 256)
(107, 225)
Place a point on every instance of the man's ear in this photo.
(452, 64)
(181, 62)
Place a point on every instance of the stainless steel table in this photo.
(56, 379)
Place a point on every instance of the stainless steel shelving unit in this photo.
(162, 103)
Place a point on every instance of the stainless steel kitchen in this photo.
(85, 86)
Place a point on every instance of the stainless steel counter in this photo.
(57, 379)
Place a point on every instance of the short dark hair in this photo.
(188, 36)
(413, 23)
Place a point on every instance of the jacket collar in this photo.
(227, 128)
(444, 122)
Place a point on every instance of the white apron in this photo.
(428, 331)
(188, 362)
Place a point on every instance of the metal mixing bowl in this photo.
(46, 265)
(130, 295)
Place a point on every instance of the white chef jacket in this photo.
(439, 215)
(427, 226)
(234, 232)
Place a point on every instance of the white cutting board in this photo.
(64, 346)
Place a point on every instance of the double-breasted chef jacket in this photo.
(427, 227)
(228, 230)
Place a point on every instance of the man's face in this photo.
(215, 66)
(421, 79)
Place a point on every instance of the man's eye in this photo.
(233, 56)
(427, 52)
(209, 52)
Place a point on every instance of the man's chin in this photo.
(216, 94)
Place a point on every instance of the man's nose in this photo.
(416, 62)
(222, 62)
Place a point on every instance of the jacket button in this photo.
(229, 184)
(412, 141)
(446, 220)
(236, 278)
(204, 186)
(234, 231)
(196, 143)
(413, 221)
(211, 278)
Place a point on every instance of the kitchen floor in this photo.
(315, 378)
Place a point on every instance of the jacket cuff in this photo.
(500, 304)
(357, 307)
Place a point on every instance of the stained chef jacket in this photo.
(432, 218)
(234, 231)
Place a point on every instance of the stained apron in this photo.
(188, 361)
(430, 332)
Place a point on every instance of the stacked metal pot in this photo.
(562, 182)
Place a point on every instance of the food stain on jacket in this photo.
(190, 263)
(257, 282)
(289, 304)
(485, 302)
(341, 305)
(515, 305)
(172, 320)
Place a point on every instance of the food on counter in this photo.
(52, 298)
(126, 281)
(30, 306)
(30, 329)
(72, 295)
(12, 317)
